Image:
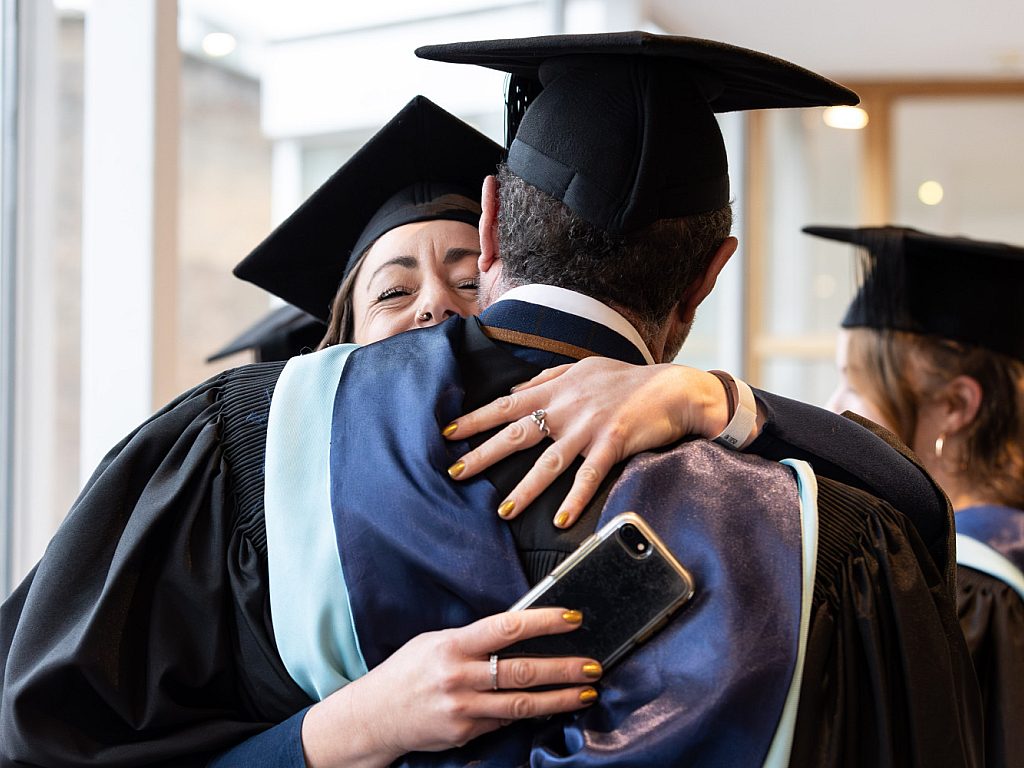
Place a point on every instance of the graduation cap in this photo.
(952, 287)
(621, 127)
(279, 335)
(424, 164)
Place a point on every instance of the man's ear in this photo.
(687, 307)
(488, 225)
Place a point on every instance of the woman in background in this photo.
(932, 347)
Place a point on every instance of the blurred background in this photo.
(147, 145)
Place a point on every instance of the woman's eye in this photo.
(393, 293)
(469, 285)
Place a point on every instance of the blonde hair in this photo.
(880, 363)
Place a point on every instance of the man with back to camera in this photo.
(601, 235)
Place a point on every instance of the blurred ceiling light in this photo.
(218, 44)
(850, 118)
(930, 193)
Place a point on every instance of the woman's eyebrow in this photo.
(458, 254)
(409, 262)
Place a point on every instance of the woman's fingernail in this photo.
(588, 696)
(573, 617)
(514, 388)
(592, 670)
(561, 519)
(456, 469)
(450, 429)
(506, 508)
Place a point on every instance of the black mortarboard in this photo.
(621, 127)
(422, 165)
(952, 287)
(280, 334)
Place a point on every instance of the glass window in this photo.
(224, 204)
(7, 329)
(812, 174)
(716, 339)
(67, 246)
(957, 166)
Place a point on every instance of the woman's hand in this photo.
(603, 409)
(437, 692)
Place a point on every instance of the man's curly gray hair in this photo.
(645, 272)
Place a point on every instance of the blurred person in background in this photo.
(281, 333)
(932, 347)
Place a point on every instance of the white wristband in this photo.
(740, 429)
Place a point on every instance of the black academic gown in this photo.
(887, 678)
(849, 449)
(992, 620)
(143, 637)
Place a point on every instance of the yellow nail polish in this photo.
(456, 469)
(588, 696)
(592, 670)
(573, 617)
(506, 509)
(561, 519)
(450, 429)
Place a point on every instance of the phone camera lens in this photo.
(634, 542)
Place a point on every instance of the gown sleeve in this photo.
(992, 620)
(143, 635)
(865, 456)
(887, 679)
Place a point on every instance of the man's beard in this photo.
(675, 342)
(489, 292)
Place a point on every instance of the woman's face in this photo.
(415, 276)
(847, 396)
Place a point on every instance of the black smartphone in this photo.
(625, 581)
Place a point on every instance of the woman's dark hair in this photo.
(993, 441)
(646, 272)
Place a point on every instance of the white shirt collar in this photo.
(577, 304)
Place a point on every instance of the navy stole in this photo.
(529, 324)
(422, 553)
(1001, 528)
(488, 370)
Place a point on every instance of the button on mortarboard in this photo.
(621, 126)
(956, 288)
(424, 164)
